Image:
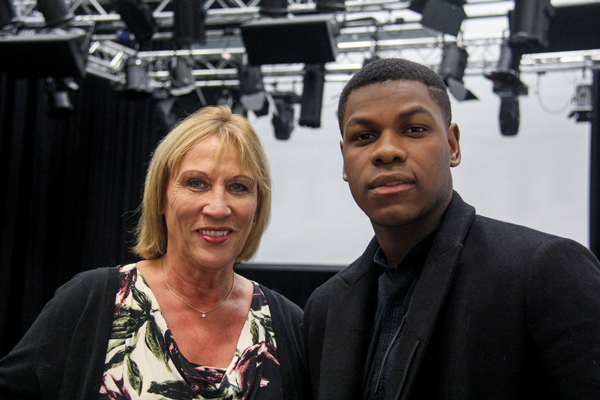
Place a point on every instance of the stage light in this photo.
(452, 70)
(442, 15)
(312, 95)
(137, 83)
(180, 76)
(45, 54)
(582, 103)
(530, 24)
(189, 21)
(507, 82)
(58, 96)
(138, 17)
(283, 115)
(252, 89)
(7, 13)
(509, 116)
(274, 8)
(330, 5)
(287, 41)
(55, 12)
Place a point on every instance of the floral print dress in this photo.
(144, 362)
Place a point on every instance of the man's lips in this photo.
(387, 180)
(215, 235)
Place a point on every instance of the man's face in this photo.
(397, 154)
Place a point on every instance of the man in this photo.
(443, 304)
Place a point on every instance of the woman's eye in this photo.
(239, 187)
(196, 184)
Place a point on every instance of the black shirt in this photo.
(394, 290)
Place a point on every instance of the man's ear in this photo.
(344, 176)
(454, 144)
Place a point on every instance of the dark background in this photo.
(70, 188)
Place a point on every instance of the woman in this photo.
(181, 324)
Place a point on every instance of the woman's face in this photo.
(209, 207)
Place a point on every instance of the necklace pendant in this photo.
(203, 315)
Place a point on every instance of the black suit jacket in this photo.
(499, 311)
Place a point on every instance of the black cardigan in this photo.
(62, 355)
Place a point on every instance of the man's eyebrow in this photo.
(414, 111)
(359, 121)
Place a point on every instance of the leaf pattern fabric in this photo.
(144, 362)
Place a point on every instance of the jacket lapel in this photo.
(348, 331)
(428, 296)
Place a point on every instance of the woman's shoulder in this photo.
(86, 284)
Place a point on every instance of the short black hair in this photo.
(397, 69)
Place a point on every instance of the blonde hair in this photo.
(231, 129)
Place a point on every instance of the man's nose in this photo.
(389, 147)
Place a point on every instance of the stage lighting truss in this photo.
(216, 63)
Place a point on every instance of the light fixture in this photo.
(138, 17)
(452, 71)
(509, 116)
(330, 5)
(180, 76)
(274, 8)
(7, 13)
(286, 41)
(508, 85)
(283, 115)
(582, 103)
(252, 88)
(530, 24)
(137, 82)
(445, 16)
(58, 96)
(312, 95)
(189, 21)
(56, 12)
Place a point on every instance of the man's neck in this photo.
(397, 241)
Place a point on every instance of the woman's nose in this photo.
(217, 205)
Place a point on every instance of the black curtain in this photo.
(70, 188)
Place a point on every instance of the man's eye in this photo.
(416, 129)
(363, 136)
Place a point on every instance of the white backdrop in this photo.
(539, 178)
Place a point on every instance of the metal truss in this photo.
(383, 27)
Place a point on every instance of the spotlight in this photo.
(582, 109)
(252, 89)
(274, 8)
(509, 116)
(138, 17)
(452, 70)
(180, 76)
(55, 12)
(303, 39)
(137, 84)
(58, 96)
(7, 13)
(283, 115)
(506, 76)
(530, 24)
(312, 95)
(442, 15)
(330, 5)
(189, 21)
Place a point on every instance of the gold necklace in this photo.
(188, 304)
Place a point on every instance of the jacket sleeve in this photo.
(563, 317)
(287, 325)
(63, 352)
